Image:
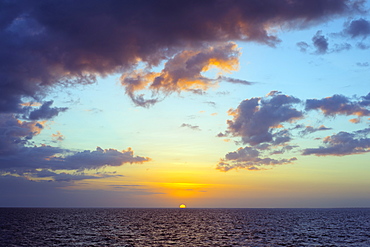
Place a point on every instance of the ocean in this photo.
(183, 227)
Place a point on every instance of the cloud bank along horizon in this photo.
(161, 48)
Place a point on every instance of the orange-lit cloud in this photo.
(343, 143)
(340, 105)
(183, 72)
(57, 137)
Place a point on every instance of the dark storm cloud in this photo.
(248, 158)
(357, 28)
(256, 119)
(320, 42)
(340, 105)
(44, 43)
(343, 143)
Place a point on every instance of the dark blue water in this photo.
(184, 227)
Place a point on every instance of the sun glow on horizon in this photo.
(182, 206)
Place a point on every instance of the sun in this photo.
(182, 206)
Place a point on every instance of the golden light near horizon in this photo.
(182, 206)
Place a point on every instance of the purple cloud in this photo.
(45, 111)
(44, 43)
(248, 158)
(320, 42)
(310, 129)
(340, 105)
(357, 28)
(19, 154)
(256, 120)
(343, 143)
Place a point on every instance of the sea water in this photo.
(183, 227)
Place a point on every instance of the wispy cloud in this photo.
(193, 127)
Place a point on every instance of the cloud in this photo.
(57, 137)
(341, 47)
(45, 43)
(364, 64)
(15, 133)
(193, 127)
(19, 154)
(363, 46)
(210, 103)
(260, 123)
(69, 177)
(236, 81)
(26, 159)
(263, 124)
(310, 129)
(365, 100)
(357, 28)
(343, 143)
(45, 111)
(257, 119)
(183, 72)
(303, 46)
(320, 42)
(248, 158)
(340, 105)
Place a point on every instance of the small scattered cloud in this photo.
(193, 127)
(236, 81)
(320, 42)
(211, 103)
(57, 137)
(303, 46)
(248, 158)
(341, 47)
(363, 64)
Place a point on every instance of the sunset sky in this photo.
(213, 103)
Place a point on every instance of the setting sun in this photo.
(182, 206)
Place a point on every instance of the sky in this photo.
(212, 104)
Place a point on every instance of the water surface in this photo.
(183, 227)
